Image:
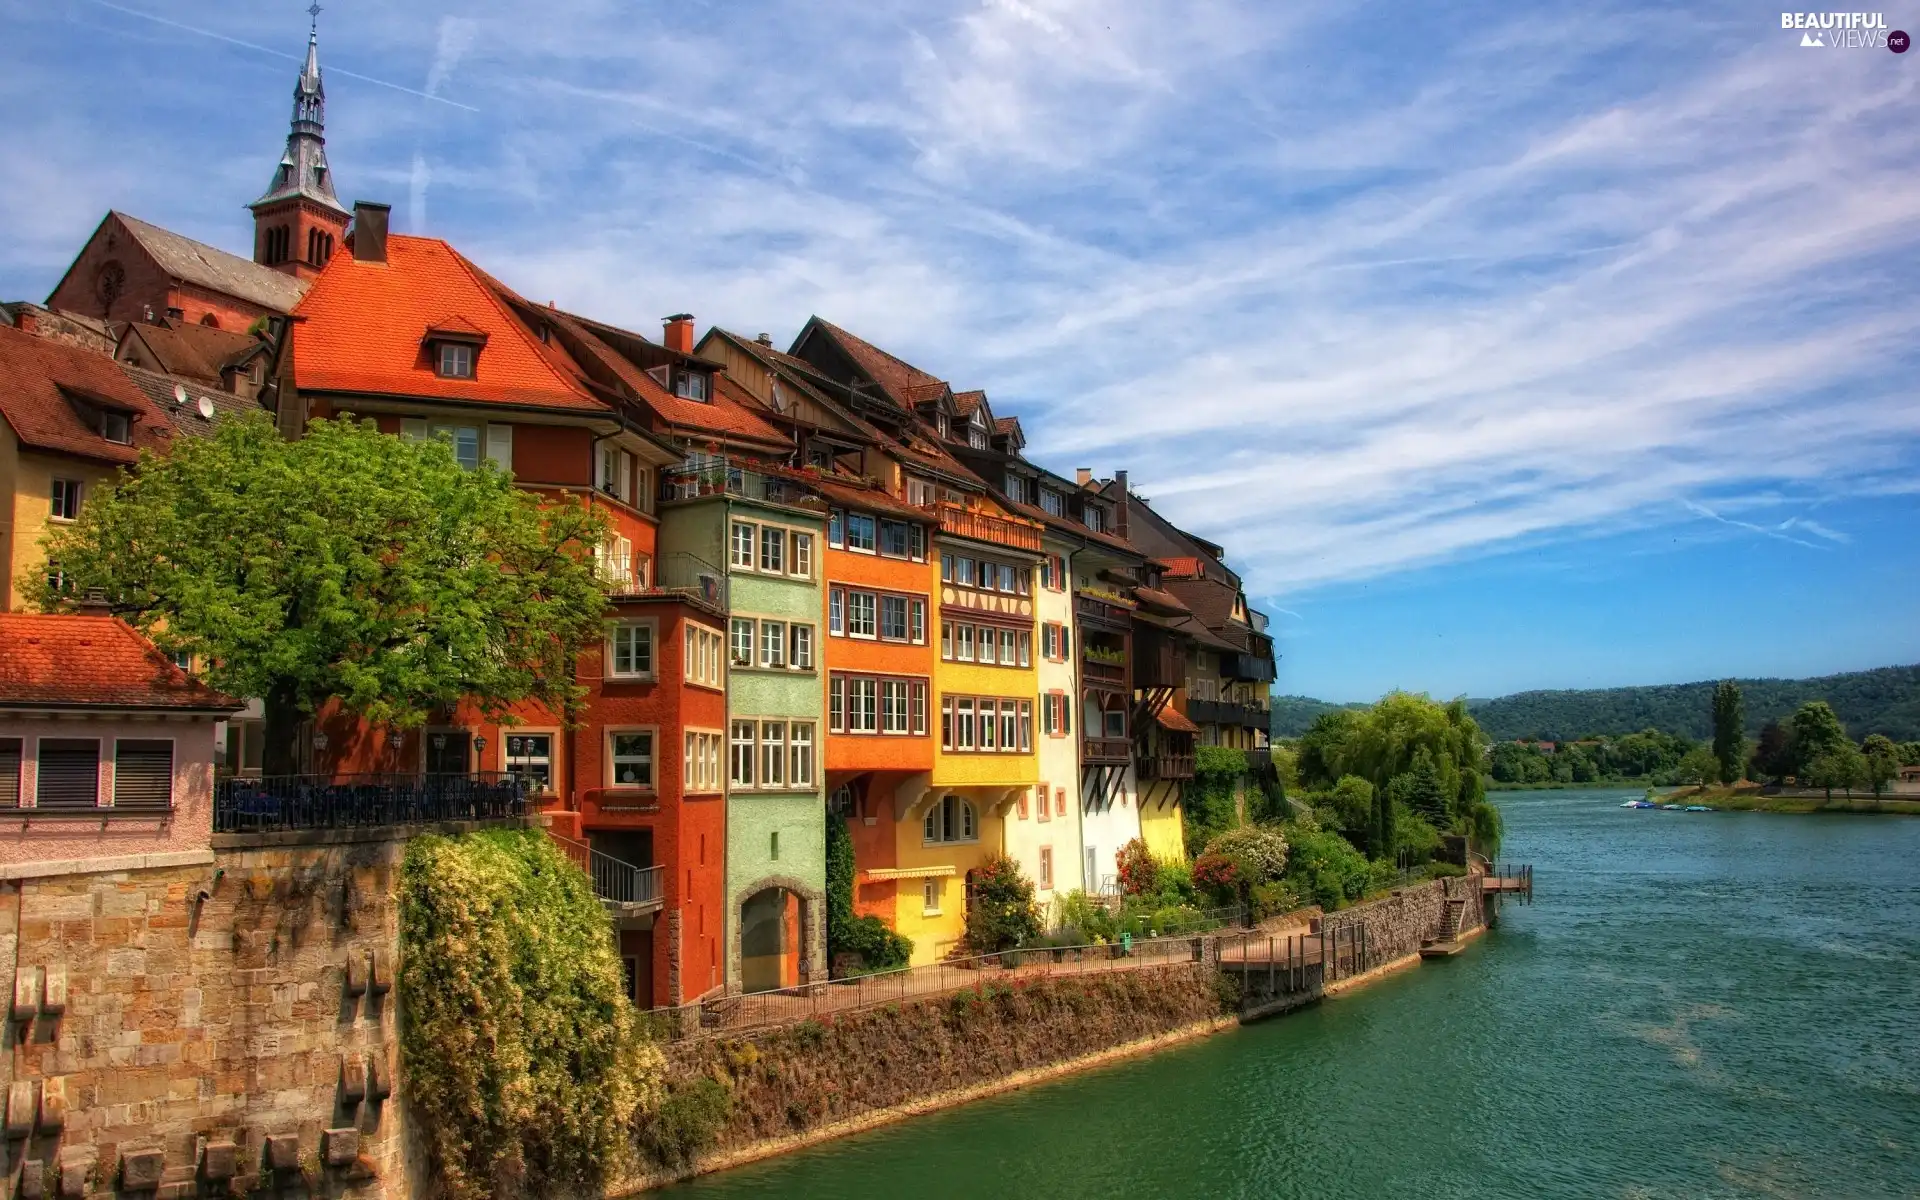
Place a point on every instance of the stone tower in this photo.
(299, 223)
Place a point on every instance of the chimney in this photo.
(765, 340)
(1120, 509)
(370, 231)
(1083, 475)
(680, 333)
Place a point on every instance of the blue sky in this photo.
(1504, 346)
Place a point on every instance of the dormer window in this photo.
(1096, 518)
(1053, 502)
(453, 347)
(456, 361)
(977, 431)
(116, 427)
(691, 385)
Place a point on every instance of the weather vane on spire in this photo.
(314, 12)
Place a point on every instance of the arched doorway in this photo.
(770, 940)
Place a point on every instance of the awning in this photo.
(1172, 718)
(878, 874)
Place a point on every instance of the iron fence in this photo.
(294, 802)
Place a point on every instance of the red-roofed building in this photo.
(106, 747)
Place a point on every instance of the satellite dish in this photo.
(179, 395)
(206, 408)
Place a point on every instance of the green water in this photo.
(1696, 1005)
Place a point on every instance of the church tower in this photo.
(299, 223)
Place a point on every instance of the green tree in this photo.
(1882, 762)
(1423, 792)
(1840, 766)
(348, 566)
(1001, 913)
(1699, 767)
(1773, 756)
(1817, 733)
(1323, 746)
(878, 947)
(1729, 730)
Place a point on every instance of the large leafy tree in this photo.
(348, 566)
(1817, 733)
(1882, 761)
(1729, 730)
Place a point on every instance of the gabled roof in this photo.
(964, 403)
(802, 376)
(205, 266)
(363, 327)
(186, 418)
(901, 382)
(58, 660)
(40, 381)
(193, 351)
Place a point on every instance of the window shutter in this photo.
(69, 773)
(414, 429)
(500, 446)
(9, 772)
(143, 773)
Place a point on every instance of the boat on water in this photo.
(1638, 804)
(1672, 807)
(1699, 808)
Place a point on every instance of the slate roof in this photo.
(198, 263)
(363, 327)
(194, 351)
(58, 660)
(186, 418)
(902, 382)
(39, 383)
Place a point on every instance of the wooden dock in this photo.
(1514, 881)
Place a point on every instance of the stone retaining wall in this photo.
(1396, 925)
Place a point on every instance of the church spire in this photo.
(302, 171)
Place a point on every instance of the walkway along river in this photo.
(1700, 1005)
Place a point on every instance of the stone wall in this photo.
(206, 1027)
(1396, 925)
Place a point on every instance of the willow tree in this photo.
(349, 566)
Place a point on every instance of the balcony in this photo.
(1101, 665)
(282, 803)
(684, 575)
(1165, 767)
(1105, 752)
(724, 479)
(619, 885)
(956, 521)
(1094, 610)
(1260, 763)
(1253, 668)
(1158, 662)
(1222, 712)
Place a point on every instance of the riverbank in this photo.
(1751, 799)
(1592, 785)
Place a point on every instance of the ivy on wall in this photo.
(525, 1065)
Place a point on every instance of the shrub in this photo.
(1002, 914)
(1218, 875)
(1260, 851)
(1325, 869)
(1273, 899)
(1138, 869)
(688, 1122)
(1081, 912)
(525, 1064)
(878, 947)
(1415, 840)
(1175, 884)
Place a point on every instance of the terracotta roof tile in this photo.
(1006, 424)
(61, 660)
(1172, 718)
(363, 327)
(195, 351)
(186, 418)
(1182, 568)
(39, 383)
(964, 403)
(903, 383)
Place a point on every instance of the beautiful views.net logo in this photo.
(1846, 31)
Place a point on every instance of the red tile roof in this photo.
(37, 377)
(67, 661)
(1172, 718)
(1182, 568)
(903, 383)
(195, 351)
(363, 328)
(965, 402)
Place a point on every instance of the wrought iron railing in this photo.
(724, 479)
(685, 575)
(319, 802)
(613, 880)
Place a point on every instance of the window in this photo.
(963, 571)
(1010, 738)
(1096, 518)
(989, 647)
(456, 360)
(801, 657)
(69, 773)
(893, 706)
(740, 546)
(1023, 806)
(800, 755)
(1025, 727)
(800, 562)
(950, 820)
(1007, 574)
(741, 770)
(1044, 803)
(10, 772)
(632, 757)
(963, 643)
(1016, 488)
(701, 769)
(894, 542)
(917, 707)
(143, 773)
(773, 644)
(615, 559)
(116, 427)
(1009, 646)
(1050, 641)
(861, 607)
(741, 641)
(862, 706)
(946, 723)
(989, 724)
(947, 563)
(465, 440)
(930, 889)
(1116, 723)
(614, 473)
(946, 642)
(1051, 722)
(66, 499)
(530, 756)
(1053, 573)
(917, 543)
(702, 655)
(1053, 502)
(837, 704)
(860, 533)
(836, 529)
(963, 724)
(1046, 853)
(893, 618)
(773, 753)
(690, 385)
(917, 622)
(773, 846)
(632, 651)
(773, 550)
(919, 493)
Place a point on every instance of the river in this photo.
(1696, 1005)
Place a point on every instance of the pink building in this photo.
(106, 747)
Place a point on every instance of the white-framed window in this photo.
(740, 546)
(66, 500)
(951, 819)
(702, 655)
(917, 543)
(800, 754)
(530, 755)
(930, 889)
(893, 618)
(1045, 882)
(917, 621)
(1010, 647)
(946, 642)
(773, 550)
(740, 770)
(963, 724)
(1023, 727)
(862, 618)
(1042, 800)
(836, 611)
(690, 385)
(773, 644)
(740, 641)
(919, 493)
(1053, 503)
(630, 650)
(917, 707)
(773, 753)
(1096, 518)
(862, 705)
(615, 560)
(801, 656)
(836, 528)
(895, 541)
(988, 650)
(860, 532)
(893, 706)
(630, 758)
(614, 472)
(456, 360)
(837, 704)
(963, 643)
(800, 560)
(946, 723)
(989, 724)
(701, 766)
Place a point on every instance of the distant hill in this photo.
(1885, 700)
(1292, 714)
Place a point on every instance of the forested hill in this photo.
(1886, 700)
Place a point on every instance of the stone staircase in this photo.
(1446, 941)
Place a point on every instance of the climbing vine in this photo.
(525, 1064)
